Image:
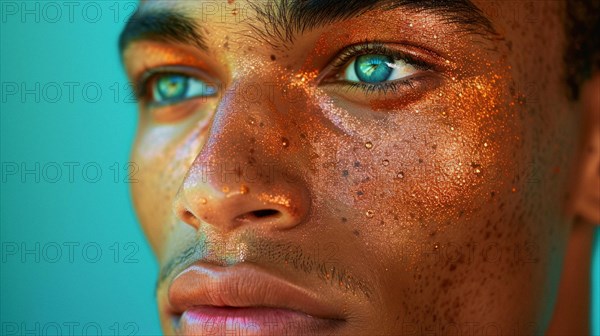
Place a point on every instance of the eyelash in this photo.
(142, 90)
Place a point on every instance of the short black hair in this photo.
(582, 53)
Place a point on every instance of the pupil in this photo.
(373, 68)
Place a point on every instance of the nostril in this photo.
(189, 218)
(259, 215)
(265, 213)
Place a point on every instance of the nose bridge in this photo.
(237, 148)
(240, 177)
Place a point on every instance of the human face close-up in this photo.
(353, 167)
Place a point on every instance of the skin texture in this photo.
(439, 208)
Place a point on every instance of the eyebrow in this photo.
(161, 25)
(281, 21)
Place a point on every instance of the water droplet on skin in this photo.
(369, 145)
(452, 128)
(285, 142)
(225, 189)
(400, 175)
(514, 189)
(203, 200)
(485, 144)
(477, 171)
(385, 162)
(244, 189)
(370, 213)
(436, 246)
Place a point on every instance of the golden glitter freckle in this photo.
(385, 162)
(203, 200)
(370, 213)
(369, 145)
(285, 142)
(225, 189)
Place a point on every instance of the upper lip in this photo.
(242, 285)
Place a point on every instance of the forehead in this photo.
(513, 11)
(305, 14)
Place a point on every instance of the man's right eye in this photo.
(172, 88)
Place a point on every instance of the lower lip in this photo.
(206, 320)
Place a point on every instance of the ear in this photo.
(585, 195)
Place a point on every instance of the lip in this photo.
(244, 299)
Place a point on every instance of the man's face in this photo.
(384, 170)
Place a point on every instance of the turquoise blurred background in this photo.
(73, 257)
(92, 271)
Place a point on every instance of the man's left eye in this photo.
(376, 68)
(173, 88)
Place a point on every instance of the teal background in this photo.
(118, 289)
(113, 292)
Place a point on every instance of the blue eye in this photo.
(373, 68)
(173, 88)
(377, 68)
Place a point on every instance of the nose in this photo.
(243, 175)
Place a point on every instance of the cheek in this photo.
(435, 194)
(163, 156)
(455, 150)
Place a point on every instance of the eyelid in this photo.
(141, 84)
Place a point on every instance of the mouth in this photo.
(205, 299)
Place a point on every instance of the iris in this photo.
(171, 87)
(373, 68)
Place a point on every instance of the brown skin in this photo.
(448, 205)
